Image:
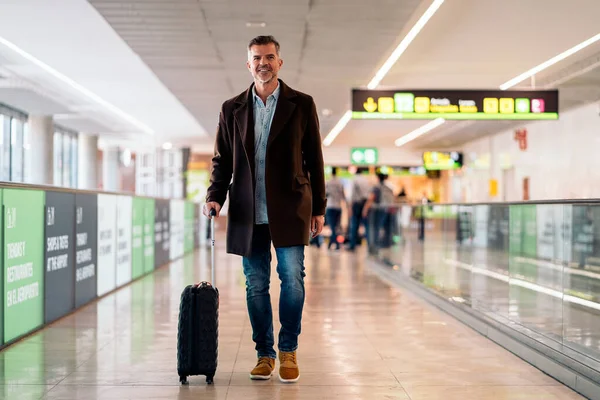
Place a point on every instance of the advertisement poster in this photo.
(124, 220)
(464, 225)
(482, 213)
(554, 231)
(583, 234)
(523, 242)
(59, 257)
(529, 216)
(189, 227)
(23, 261)
(107, 243)
(162, 231)
(149, 209)
(137, 237)
(498, 228)
(177, 216)
(86, 246)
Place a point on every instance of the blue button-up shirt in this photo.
(263, 117)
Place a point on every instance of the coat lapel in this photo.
(283, 111)
(244, 120)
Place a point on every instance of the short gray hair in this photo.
(263, 40)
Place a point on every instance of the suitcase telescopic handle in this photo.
(212, 214)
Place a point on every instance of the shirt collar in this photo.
(275, 93)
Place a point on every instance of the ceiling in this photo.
(170, 64)
(62, 58)
(198, 48)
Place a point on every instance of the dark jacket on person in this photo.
(294, 172)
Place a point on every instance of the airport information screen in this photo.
(455, 104)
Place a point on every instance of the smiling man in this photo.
(268, 141)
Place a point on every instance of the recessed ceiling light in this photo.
(167, 146)
(326, 112)
(256, 24)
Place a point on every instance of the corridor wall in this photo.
(62, 249)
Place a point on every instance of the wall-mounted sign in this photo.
(177, 226)
(124, 227)
(438, 160)
(521, 138)
(455, 104)
(23, 261)
(59, 284)
(137, 241)
(86, 245)
(149, 210)
(364, 156)
(107, 243)
(162, 230)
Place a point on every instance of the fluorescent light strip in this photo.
(76, 86)
(385, 68)
(550, 62)
(419, 131)
(412, 34)
(337, 129)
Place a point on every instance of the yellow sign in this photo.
(386, 104)
(422, 104)
(490, 105)
(507, 106)
(493, 187)
(370, 105)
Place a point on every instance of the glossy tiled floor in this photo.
(361, 340)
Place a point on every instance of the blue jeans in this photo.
(355, 221)
(257, 269)
(332, 218)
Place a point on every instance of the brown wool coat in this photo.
(294, 175)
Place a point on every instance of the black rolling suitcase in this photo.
(197, 339)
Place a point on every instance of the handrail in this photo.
(31, 186)
(512, 203)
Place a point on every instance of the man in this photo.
(335, 197)
(360, 191)
(268, 141)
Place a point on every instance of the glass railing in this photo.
(532, 266)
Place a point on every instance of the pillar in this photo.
(87, 162)
(41, 147)
(110, 169)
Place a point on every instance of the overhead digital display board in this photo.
(455, 104)
(438, 160)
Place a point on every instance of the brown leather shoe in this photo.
(264, 369)
(288, 367)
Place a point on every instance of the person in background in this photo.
(360, 191)
(380, 200)
(335, 197)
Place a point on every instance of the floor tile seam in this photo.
(236, 357)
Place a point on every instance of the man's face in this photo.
(263, 62)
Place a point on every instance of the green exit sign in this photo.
(364, 156)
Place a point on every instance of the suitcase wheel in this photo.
(183, 380)
(209, 379)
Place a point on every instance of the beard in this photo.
(265, 76)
